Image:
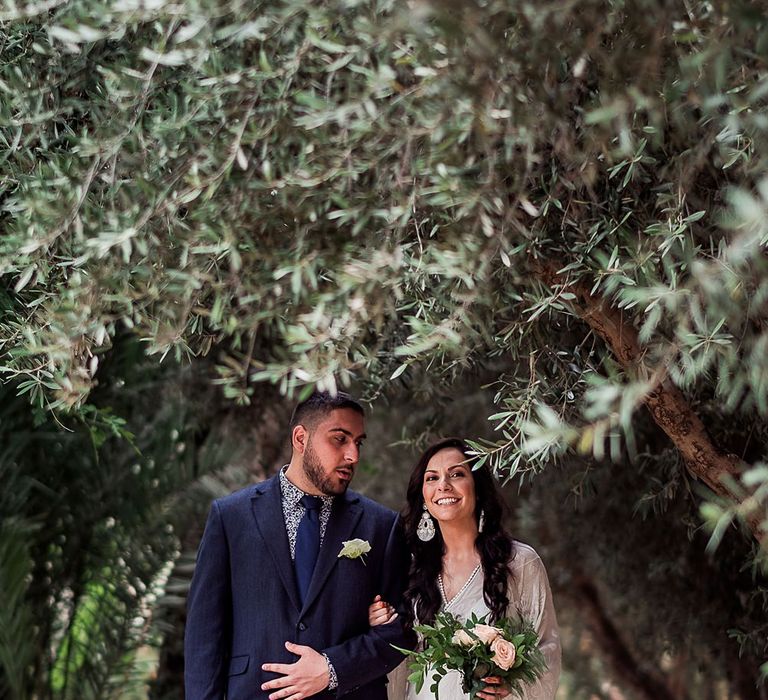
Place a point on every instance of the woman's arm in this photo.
(531, 591)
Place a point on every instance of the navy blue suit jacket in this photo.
(243, 604)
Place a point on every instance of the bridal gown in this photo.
(529, 592)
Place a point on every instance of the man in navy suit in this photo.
(277, 608)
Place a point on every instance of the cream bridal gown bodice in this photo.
(528, 591)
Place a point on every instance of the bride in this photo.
(464, 562)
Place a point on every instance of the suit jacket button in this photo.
(302, 626)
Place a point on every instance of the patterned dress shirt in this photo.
(293, 512)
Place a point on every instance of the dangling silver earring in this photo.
(426, 528)
(481, 524)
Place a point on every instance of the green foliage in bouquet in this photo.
(509, 649)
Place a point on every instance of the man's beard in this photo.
(321, 481)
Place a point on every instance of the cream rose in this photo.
(503, 653)
(462, 638)
(486, 634)
(354, 549)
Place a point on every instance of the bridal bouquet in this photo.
(508, 649)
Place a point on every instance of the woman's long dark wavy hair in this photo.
(493, 543)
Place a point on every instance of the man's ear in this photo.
(299, 438)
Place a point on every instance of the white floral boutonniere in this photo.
(355, 549)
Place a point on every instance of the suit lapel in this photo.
(267, 507)
(344, 518)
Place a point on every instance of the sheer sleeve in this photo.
(397, 680)
(534, 598)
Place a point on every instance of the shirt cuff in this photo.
(333, 679)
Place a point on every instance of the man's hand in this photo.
(301, 679)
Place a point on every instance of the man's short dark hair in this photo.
(320, 404)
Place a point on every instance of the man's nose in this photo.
(352, 454)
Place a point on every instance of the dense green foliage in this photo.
(85, 533)
(349, 188)
(314, 193)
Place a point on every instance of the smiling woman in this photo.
(468, 565)
(449, 491)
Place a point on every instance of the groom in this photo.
(278, 606)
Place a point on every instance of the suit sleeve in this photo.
(368, 656)
(209, 607)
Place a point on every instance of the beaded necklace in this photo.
(447, 603)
